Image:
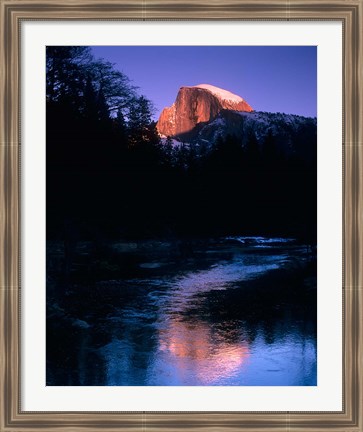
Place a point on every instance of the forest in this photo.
(110, 174)
(172, 263)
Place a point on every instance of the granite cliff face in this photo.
(197, 104)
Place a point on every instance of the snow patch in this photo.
(173, 142)
(221, 93)
(218, 121)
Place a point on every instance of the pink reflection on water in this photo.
(196, 352)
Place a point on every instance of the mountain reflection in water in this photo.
(220, 320)
(198, 355)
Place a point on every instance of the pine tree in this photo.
(252, 152)
(142, 130)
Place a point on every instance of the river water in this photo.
(221, 317)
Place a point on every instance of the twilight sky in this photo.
(274, 79)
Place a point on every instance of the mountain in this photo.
(203, 114)
(294, 135)
(195, 105)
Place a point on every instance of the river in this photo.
(237, 312)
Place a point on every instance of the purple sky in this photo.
(274, 79)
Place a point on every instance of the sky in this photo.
(269, 78)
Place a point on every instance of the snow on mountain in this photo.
(203, 113)
(292, 134)
(174, 142)
(195, 105)
(221, 93)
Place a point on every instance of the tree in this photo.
(91, 108)
(71, 71)
(252, 152)
(227, 154)
(115, 86)
(142, 130)
(168, 153)
(269, 152)
(66, 77)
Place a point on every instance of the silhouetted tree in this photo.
(108, 171)
(270, 153)
(252, 152)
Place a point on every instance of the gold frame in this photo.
(12, 12)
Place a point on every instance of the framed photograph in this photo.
(180, 208)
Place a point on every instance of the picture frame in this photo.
(13, 13)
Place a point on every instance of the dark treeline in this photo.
(108, 173)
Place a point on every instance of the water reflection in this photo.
(199, 356)
(215, 325)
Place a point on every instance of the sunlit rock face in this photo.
(197, 104)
